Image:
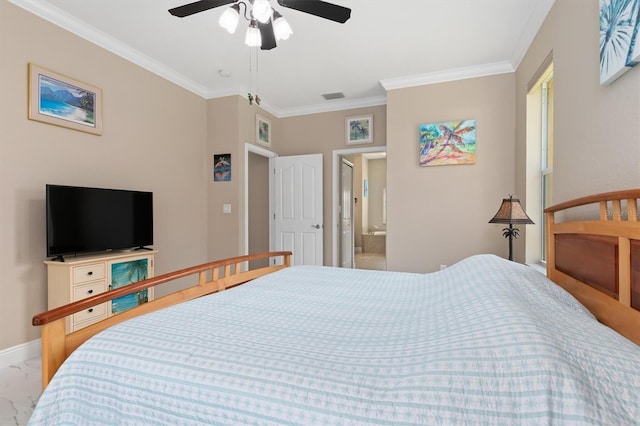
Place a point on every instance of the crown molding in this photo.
(103, 40)
(99, 38)
(448, 75)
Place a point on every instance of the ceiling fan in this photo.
(266, 25)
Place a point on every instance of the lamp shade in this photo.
(261, 10)
(253, 37)
(511, 212)
(281, 28)
(229, 19)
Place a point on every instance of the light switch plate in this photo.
(226, 208)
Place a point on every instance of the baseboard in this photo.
(20, 353)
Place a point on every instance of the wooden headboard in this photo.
(598, 261)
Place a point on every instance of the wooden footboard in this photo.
(598, 261)
(212, 277)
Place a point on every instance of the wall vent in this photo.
(330, 96)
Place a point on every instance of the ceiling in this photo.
(387, 44)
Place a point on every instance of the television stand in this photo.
(84, 276)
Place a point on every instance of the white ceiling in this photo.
(387, 44)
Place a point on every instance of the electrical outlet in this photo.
(226, 208)
(443, 267)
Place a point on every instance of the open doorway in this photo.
(366, 203)
(258, 232)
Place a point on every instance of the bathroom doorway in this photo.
(368, 207)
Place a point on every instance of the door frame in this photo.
(349, 164)
(335, 183)
(248, 147)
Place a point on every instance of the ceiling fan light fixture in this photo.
(229, 19)
(261, 10)
(281, 28)
(253, 37)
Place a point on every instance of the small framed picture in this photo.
(63, 101)
(359, 129)
(263, 130)
(222, 167)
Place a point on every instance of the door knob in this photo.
(316, 226)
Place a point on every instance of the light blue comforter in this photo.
(486, 341)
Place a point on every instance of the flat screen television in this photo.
(87, 220)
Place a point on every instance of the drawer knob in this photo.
(89, 291)
(90, 310)
(90, 273)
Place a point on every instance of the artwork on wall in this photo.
(63, 101)
(125, 273)
(619, 46)
(263, 130)
(359, 129)
(452, 142)
(222, 167)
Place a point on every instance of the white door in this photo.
(346, 215)
(298, 224)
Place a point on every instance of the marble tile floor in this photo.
(376, 261)
(20, 388)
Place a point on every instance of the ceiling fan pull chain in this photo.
(257, 77)
(250, 79)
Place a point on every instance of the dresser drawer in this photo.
(86, 273)
(83, 291)
(94, 313)
(78, 325)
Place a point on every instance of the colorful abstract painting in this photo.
(619, 50)
(452, 142)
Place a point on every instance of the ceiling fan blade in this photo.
(319, 8)
(198, 6)
(267, 35)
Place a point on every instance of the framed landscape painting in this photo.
(123, 274)
(63, 101)
(263, 130)
(359, 129)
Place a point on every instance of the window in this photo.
(546, 146)
(539, 151)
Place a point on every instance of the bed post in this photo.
(53, 349)
(551, 245)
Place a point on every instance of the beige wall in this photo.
(154, 139)
(438, 215)
(377, 182)
(231, 123)
(596, 131)
(223, 137)
(258, 208)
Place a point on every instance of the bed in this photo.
(485, 341)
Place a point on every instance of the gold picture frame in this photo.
(63, 101)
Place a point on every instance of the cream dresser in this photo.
(79, 277)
